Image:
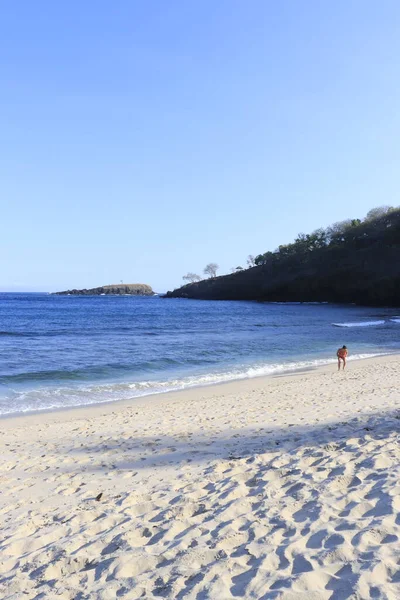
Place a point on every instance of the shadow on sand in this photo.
(329, 451)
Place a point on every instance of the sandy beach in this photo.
(284, 487)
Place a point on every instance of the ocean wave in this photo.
(296, 303)
(103, 372)
(359, 324)
(395, 320)
(62, 332)
(14, 333)
(43, 399)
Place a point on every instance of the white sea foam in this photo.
(360, 324)
(395, 320)
(85, 395)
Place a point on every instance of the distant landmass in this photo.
(350, 262)
(131, 289)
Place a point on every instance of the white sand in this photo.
(267, 488)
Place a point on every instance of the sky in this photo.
(142, 140)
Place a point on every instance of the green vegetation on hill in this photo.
(132, 289)
(352, 261)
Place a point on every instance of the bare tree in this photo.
(192, 277)
(250, 261)
(211, 269)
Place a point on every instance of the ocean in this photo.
(66, 351)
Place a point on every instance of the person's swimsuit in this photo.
(342, 353)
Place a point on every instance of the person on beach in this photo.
(341, 356)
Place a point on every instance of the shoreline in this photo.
(280, 487)
(197, 391)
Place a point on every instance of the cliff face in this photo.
(132, 289)
(363, 268)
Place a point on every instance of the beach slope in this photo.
(284, 487)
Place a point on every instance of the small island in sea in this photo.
(130, 289)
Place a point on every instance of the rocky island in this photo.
(123, 289)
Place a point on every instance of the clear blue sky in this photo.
(142, 140)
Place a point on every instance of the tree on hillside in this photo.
(355, 260)
(349, 231)
(336, 231)
(317, 239)
(251, 260)
(192, 277)
(211, 269)
(354, 231)
(379, 211)
(263, 259)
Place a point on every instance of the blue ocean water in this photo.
(63, 351)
